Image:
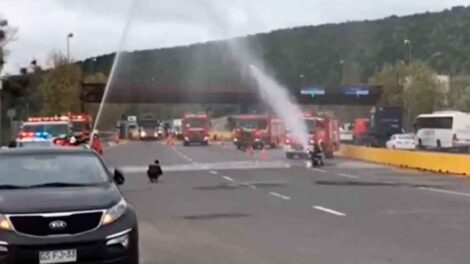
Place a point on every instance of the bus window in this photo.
(435, 122)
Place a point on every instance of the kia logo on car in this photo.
(57, 225)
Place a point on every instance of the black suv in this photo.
(63, 206)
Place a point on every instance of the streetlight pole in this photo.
(408, 43)
(341, 62)
(69, 36)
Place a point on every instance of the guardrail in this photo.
(426, 161)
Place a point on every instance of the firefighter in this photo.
(96, 144)
(154, 171)
(316, 154)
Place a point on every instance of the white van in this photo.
(443, 129)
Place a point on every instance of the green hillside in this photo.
(327, 54)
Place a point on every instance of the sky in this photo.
(98, 25)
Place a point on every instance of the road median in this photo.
(426, 161)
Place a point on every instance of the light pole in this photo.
(408, 43)
(69, 36)
(342, 71)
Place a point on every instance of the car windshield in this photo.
(54, 130)
(405, 137)
(253, 123)
(195, 122)
(36, 169)
(80, 126)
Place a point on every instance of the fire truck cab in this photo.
(195, 129)
(81, 126)
(258, 131)
(322, 129)
(51, 128)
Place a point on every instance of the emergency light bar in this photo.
(48, 119)
(34, 135)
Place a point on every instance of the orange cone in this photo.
(264, 155)
(249, 151)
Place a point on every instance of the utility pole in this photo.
(69, 36)
(408, 44)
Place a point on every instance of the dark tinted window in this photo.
(253, 123)
(195, 122)
(54, 130)
(33, 169)
(80, 126)
(435, 122)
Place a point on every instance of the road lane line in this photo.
(213, 172)
(347, 175)
(228, 178)
(319, 170)
(444, 191)
(278, 195)
(328, 210)
(252, 186)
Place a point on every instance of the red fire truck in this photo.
(258, 131)
(322, 129)
(54, 128)
(195, 129)
(81, 126)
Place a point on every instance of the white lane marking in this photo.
(347, 175)
(444, 191)
(188, 159)
(319, 170)
(328, 210)
(213, 172)
(278, 195)
(252, 186)
(228, 178)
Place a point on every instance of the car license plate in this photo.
(58, 256)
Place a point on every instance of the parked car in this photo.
(401, 141)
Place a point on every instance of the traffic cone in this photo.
(263, 155)
(117, 139)
(249, 151)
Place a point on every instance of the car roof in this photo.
(45, 150)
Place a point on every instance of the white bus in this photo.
(443, 129)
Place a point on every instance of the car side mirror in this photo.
(118, 177)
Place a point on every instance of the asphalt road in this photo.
(218, 205)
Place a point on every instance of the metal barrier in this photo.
(426, 161)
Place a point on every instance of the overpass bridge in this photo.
(309, 95)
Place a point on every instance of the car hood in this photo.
(46, 200)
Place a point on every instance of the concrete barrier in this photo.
(426, 161)
(220, 135)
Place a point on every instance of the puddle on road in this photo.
(213, 216)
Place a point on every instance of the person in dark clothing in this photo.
(316, 154)
(154, 171)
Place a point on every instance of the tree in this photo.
(414, 87)
(60, 86)
(459, 96)
(7, 34)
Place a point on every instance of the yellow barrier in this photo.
(427, 161)
(220, 135)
